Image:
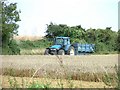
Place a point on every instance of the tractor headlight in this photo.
(53, 49)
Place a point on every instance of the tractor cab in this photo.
(62, 41)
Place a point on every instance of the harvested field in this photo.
(92, 68)
(83, 63)
(86, 63)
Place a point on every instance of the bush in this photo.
(12, 48)
(101, 48)
(76, 40)
(35, 44)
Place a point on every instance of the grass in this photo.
(69, 82)
(36, 47)
(110, 81)
(36, 84)
(37, 44)
(24, 82)
(38, 51)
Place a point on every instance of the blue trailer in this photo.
(62, 46)
(83, 48)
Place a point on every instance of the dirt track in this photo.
(83, 63)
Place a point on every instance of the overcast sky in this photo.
(35, 14)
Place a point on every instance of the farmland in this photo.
(55, 83)
(25, 66)
(82, 69)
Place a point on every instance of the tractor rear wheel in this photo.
(61, 52)
(71, 51)
(46, 52)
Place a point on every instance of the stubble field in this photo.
(91, 69)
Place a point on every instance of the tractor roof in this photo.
(63, 37)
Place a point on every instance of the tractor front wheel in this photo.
(61, 52)
(46, 52)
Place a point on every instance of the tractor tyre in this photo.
(46, 52)
(61, 52)
(71, 51)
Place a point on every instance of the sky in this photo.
(119, 15)
(35, 14)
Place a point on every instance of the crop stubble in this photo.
(83, 63)
(84, 67)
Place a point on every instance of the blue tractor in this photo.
(62, 46)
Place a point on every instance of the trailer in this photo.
(63, 46)
(83, 49)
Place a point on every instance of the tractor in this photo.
(62, 46)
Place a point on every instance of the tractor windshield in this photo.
(59, 41)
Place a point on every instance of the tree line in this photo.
(105, 40)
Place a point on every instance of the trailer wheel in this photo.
(46, 52)
(61, 52)
(71, 51)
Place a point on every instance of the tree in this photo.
(76, 33)
(105, 40)
(90, 36)
(0, 28)
(118, 41)
(10, 16)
